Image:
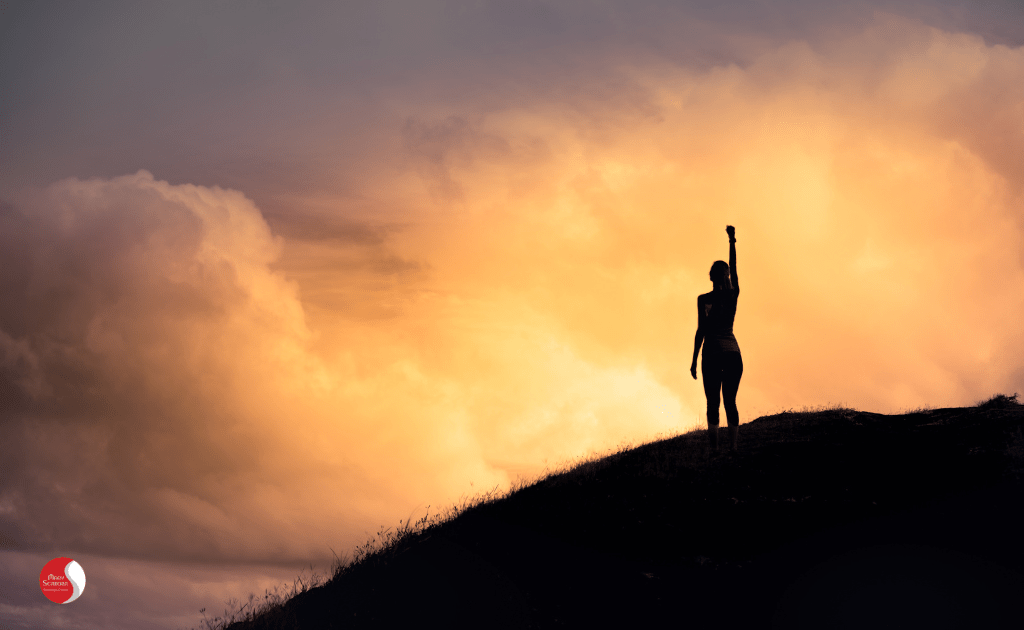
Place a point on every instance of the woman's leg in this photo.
(711, 373)
(732, 370)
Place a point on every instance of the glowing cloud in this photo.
(527, 297)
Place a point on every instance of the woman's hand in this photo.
(693, 371)
(731, 231)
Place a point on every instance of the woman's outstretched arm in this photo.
(731, 231)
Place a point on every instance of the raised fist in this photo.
(731, 231)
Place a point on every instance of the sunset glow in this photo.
(390, 302)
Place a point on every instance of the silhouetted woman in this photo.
(722, 365)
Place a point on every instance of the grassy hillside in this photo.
(828, 518)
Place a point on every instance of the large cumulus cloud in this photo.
(144, 332)
(873, 178)
(166, 398)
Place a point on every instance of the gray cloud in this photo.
(227, 94)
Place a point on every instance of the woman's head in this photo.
(720, 274)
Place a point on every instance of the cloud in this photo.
(869, 217)
(173, 402)
(188, 377)
(145, 327)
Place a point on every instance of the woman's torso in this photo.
(719, 311)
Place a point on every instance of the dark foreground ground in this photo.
(829, 519)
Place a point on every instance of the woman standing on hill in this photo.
(722, 365)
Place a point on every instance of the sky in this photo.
(278, 274)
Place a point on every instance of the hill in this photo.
(827, 518)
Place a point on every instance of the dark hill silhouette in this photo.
(832, 518)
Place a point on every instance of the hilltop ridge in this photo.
(826, 518)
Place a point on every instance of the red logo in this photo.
(62, 580)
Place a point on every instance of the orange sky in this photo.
(504, 287)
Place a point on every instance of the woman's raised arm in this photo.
(731, 231)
